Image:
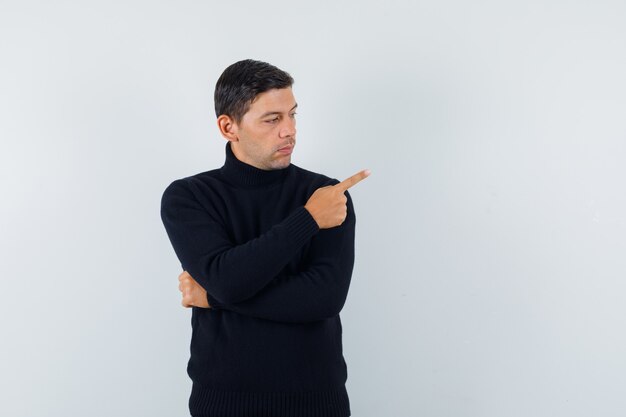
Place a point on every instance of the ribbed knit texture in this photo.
(209, 402)
(271, 343)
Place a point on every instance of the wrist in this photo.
(311, 213)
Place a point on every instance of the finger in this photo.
(186, 300)
(351, 181)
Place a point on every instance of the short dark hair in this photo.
(242, 81)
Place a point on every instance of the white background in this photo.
(490, 263)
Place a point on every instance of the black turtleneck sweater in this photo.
(271, 343)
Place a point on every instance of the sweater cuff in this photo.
(213, 303)
(301, 226)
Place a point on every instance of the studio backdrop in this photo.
(489, 274)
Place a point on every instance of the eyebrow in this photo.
(275, 112)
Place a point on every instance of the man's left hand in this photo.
(193, 293)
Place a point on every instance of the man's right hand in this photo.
(327, 204)
(193, 294)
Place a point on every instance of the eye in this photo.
(293, 114)
(272, 120)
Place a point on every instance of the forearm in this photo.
(317, 293)
(230, 273)
(305, 297)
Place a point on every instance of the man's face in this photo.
(267, 127)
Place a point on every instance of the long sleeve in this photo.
(229, 272)
(318, 292)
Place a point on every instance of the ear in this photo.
(228, 128)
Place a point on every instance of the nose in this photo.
(288, 128)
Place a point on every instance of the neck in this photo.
(246, 175)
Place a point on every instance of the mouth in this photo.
(286, 150)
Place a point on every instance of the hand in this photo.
(327, 204)
(193, 294)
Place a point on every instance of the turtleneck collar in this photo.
(240, 173)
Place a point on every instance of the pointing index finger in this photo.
(350, 181)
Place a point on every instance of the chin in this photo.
(284, 163)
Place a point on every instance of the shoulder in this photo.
(201, 187)
(199, 180)
(315, 179)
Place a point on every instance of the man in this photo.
(267, 250)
